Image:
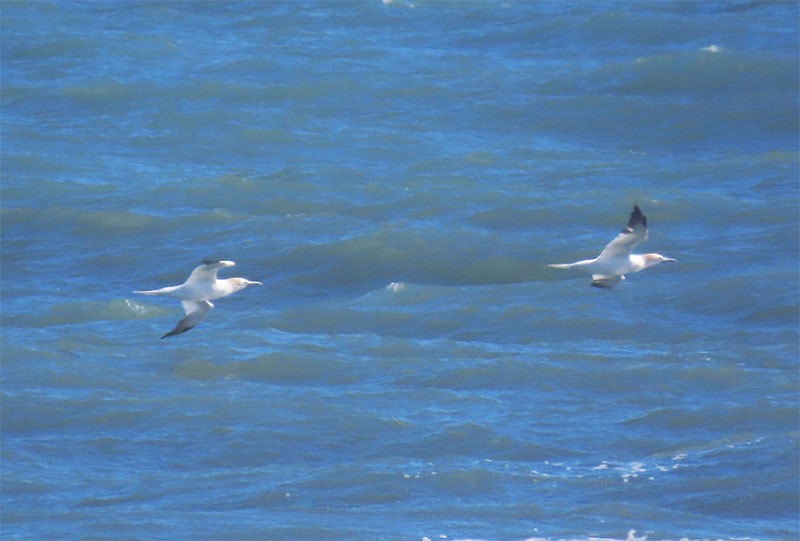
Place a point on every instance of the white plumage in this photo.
(609, 268)
(198, 290)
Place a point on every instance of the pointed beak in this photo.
(669, 260)
(227, 263)
(253, 283)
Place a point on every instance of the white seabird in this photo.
(609, 268)
(198, 290)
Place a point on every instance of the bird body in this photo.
(616, 260)
(197, 292)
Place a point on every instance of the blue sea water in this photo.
(399, 174)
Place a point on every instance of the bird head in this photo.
(241, 283)
(655, 259)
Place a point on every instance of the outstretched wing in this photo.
(634, 233)
(207, 272)
(195, 312)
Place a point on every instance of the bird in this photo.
(616, 260)
(197, 292)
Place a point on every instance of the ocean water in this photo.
(399, 174)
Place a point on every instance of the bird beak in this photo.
(227, 263)
(669, 260)
(253, 283)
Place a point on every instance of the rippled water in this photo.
(399, 174)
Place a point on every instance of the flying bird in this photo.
(609, 268)
(197, 292)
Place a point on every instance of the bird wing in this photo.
(206, 273)
(195, 312)
(634, 233)
(606, 282)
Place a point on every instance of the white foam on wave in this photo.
(135, 307)
(631, 537)
(396, 287)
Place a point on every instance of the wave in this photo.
(705, 72)
(84, 312)
(274, 368)
(422, 256)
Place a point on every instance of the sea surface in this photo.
(399, 174)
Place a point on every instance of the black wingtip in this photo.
(637, 218)
(176, 331)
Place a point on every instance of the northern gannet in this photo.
(198, 290)
(609, 268)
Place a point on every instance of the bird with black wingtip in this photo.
(197, 292)
(616, 260)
